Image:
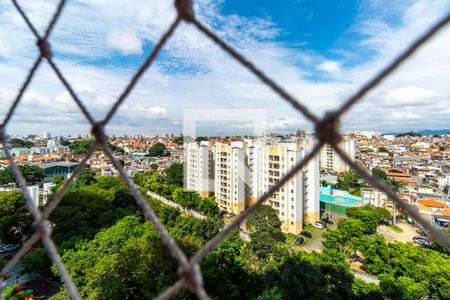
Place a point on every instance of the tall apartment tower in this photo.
(297, 201)
(199, 168)
(330, 161)
(231, 176)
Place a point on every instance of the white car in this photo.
(9, 248)
(318, 225)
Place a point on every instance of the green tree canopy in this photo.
(19, 143)
(81, 147)
(174, 174)
(380, 173)
(33, 174)
(157, 149)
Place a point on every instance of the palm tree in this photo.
(397, 186)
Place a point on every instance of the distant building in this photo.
(34, 195)
(331, 162)
(63, 168)
(199, 168)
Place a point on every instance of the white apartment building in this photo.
(199, 167)
(231, 176)
(243, 172)
(297, 201)
(330, 161)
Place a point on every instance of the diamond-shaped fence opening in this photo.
(326, 130)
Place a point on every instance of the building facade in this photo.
(331, 162)
(199, 168)
(231, 176)
(243, 172)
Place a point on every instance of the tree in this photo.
(86, 177)
(154, 167)
(265, 228)
(33, 174)
(174, 174)
(127, 261)
(383, 149)
(397, 186)
(349, 182)
(81, 147)
(367, 215)
(178, 140)
(380, 173)
(19, 143)
(157, 149)
(11, 202)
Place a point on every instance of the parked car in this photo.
(421, 238)
(384, 222)
(306, 233)
(9, 248)
(422, 242)
(222, 212)
(318, 225)
(230, 214)
(328, 221)
(299, 240)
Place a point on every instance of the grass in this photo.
(396, 228)
(315, 232)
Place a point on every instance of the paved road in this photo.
(188, 211)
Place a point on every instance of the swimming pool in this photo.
(339, 200)
(342, 200)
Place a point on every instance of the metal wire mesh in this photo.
(326, 130)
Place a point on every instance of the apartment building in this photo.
(199, 168)
(231, 176)
(297, 201)
(331, 162)
(243, 172)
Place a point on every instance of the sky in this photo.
(320, 51)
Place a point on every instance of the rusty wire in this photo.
(327, 131)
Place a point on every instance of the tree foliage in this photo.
(157, 149)
(380, 173)
(19, 143)
(174, 174)
(33, 174)
(81, 147)
(349, 182)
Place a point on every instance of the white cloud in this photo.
(330, 66)
(124, 40)
(285, 124)
(411, 95)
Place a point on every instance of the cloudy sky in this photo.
(320, 51)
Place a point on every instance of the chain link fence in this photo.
(326, 131)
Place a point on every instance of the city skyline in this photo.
(319, 54)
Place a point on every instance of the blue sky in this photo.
(320, 51)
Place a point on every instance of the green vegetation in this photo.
(349, 182)
(13, 211)
(112, 252)
(174, 174)
(157, 149)
(33, 174)
(383, 150)
(405, 271)
(81, 147)
(396, 228)
(168, 185)
(178, 140)
(380, 173)
(265, 231)
(411, 133)
(19, 143)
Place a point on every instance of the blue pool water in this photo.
(340, 197)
